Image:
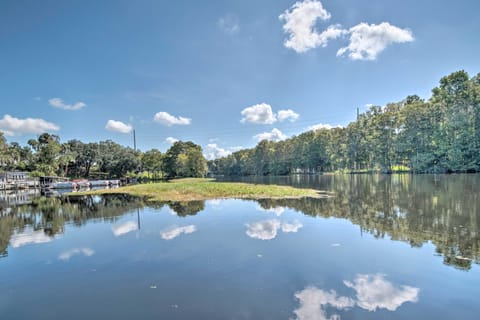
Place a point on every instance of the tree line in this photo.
(46, 155)
(441, 134)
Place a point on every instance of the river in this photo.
(383, 246)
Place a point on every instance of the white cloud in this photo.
(263, 230)
(229, 24)
(313, 302)
(168, 120)
(87, 252)
(274, 135)
(260, 113)
(287, 115)
(213, 151)
(300, 22)
(174, 232)
(124, 228)
(58, 103)
(374, 292)
(333, 32)
(171, 140)
(13, 126)
(292, 227)
(369, 40)
(322, 126)
(29, 236)
(118, 126)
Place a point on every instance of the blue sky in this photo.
(223, 74)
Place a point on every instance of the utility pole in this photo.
(134, 141)
(358, 113)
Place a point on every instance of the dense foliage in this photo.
(438, 135)
(46, 155)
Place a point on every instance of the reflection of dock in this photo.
(15, 180)
(11, 199)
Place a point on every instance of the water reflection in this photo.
(373, 292)
(174, 231)
(124, 228)
(66, 255)
(443, 210)
(29, 236)
(268, 229)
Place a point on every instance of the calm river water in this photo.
(383, 247)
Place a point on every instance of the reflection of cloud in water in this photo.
(268, 229)
(372, 292)
(124, 228)
(313, 300)
(263, 230)
(29, 236)
(87, 252)
(277, 210)
(291, 227)
(214, 202)
(174, 232)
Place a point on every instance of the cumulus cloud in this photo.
(260, 113)
(288, 114)
(171, 140)
(299, 25)
(274, 135)
(366, 41)
(60, 104)
(174, 232)
(118, 126)
(124, 228)
(213, 151)
(322, 126)
(369, 40)
(168, 120)
(374, 292)
(29, 236)
(12, 126)
(87, 252)
(229, 24)
(292, 227)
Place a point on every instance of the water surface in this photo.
(397, 247)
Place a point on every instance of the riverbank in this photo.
(205, 189)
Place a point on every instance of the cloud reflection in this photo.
(87, 252)
(292, 227)
(29, 236)
(263, 230)
(124, 228)
(268, 229)
(277, 210)
(174, 232)
(373, 292)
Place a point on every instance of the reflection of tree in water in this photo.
(51, 214)
(415, 209)
(183, 209)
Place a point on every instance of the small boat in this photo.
(82, 183)
(63, 185)
(114, 182)
(99, 183)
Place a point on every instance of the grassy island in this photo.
(204, 189)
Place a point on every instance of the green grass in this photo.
(204, 189)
